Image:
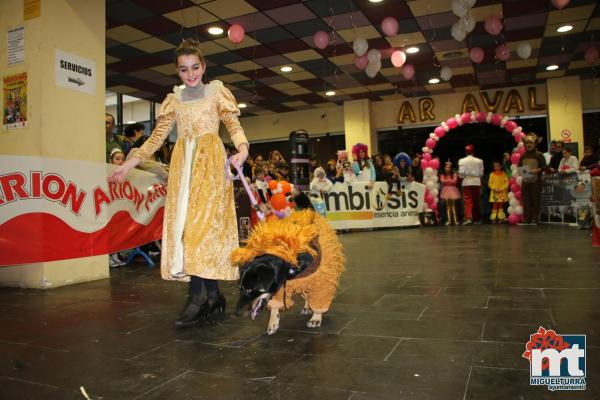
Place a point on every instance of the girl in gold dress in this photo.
(200, 229)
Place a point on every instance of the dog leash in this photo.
(240, 176)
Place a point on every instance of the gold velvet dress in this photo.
(200, 228)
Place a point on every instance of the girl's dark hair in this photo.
(188, 47)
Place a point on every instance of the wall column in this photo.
(358, 124)
(565, 110)
(62, 123)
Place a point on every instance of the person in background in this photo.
(391, 175)
(112, 140)
(378, 163)
(150, 164)
(557, 156)
(404, 172)
(415, 169)
(531, 188)
(569, 163)
(450, 193)
(261, 184)
(363, 166)
(320, 184)
(551, 151)
(132, 133)
(506, 163)
(283, 171)
(116, 158)
(498, 183)
(275, 157)
(589, 160)
(332, 171)
(312, 165)
(348, 175)
(470, 169)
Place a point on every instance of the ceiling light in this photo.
(433, 81)
(286, 68)
(552, 67)
(412, 50)
(375, 1)
(330, 93)
(242, 105)
(215, 30)
(564, 28)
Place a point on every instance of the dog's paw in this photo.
(272, 328)
(314, 323)
(306, 311)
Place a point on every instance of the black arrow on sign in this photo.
(77, 81)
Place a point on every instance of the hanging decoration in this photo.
(321, 39)
(361, 62)
(398, 58)
(502, 52)
(408, 72)
(493, 25)
(446, 74)
(524, 50)
(236, 33)
(390, 26)
(477, 55)
(360, 46)
(591, 55)
(560, 4)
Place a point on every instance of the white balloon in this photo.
(458, 31)
(360, 46)
(435, 178)
(435, 192)
(430, 185)
(459, 8)
(374, 56)
(436, 200)
(513, 202)
(519, 180)
(468, 22)
(446, 73)
(524, 50)
(511, 195)
(372, 69)
(428, 171)
(519, 210)
(511, 210)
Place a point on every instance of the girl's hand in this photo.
(370, 185)
(118, 174)
(240, 158)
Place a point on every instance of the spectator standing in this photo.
(112, 142)
(531, 188)
(132, 134)
(569, 163)
(450, 193)
(470, 169)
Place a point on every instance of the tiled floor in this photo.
(436, 313)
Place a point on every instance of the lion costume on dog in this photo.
(302, 233)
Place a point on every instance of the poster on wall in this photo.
(355, 206)
(14, 101)
(15, 45)
(53, 209)
(566, 199)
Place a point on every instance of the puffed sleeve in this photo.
(164, 123)
(229, 113)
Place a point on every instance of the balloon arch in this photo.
(430, 164)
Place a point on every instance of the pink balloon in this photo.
(236, 33)
(361, 62)
(398, 58)
(439, 131)
(522, 136)
(514, 158)
(518, 194)
(433, 206)
(521, 150)
(425, 163)
(426, 157)
(430, 143)
(321, 39)
(512, 180)
(477, 55)
(408, 72)
(452, 123)
(466, 118)
(560, 4)
(481, 116)
(435, 163)
(514, 187)
(510, 126)
(390, 26)
(496, 119)
(591, 55)
(513, 219)
(502, 52)
(428, 198)
(493, 25)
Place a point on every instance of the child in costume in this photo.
(363, 166)
(390, 173)
(117, 157)
(450, 193)
(348, 175)
(199, 202)
(531, 188)
(498, 184)
(320, 184)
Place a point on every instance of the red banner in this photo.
(53, 209)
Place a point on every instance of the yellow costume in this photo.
(199, 229)
(498, 181)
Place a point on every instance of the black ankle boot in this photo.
(215, 305)
(194, 311)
